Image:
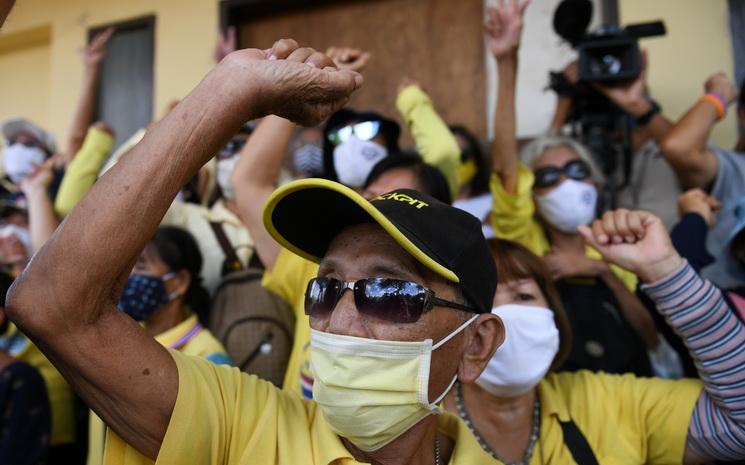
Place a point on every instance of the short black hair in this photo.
(179, 251)
(431, 179)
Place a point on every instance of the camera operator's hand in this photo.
(722, 85)
(634, 240)
(629, 96)
(503, 27)
(299, 84)
(697, 201)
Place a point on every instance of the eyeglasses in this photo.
(387, 299)
(550, 175)
(365, 130)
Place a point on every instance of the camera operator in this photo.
(720, 172)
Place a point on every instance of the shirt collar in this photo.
(174, 337)
(330, 449)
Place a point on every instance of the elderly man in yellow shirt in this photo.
(163, 405)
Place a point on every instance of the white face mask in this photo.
(308, 159)
(530, 345)
(224, 171)
(20, 161)
(373, 391)
(571, 204)
(355, 158)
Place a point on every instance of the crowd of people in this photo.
(183, 299)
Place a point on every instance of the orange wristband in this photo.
(714, 100)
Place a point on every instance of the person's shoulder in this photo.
(730, 157)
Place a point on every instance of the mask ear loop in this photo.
(454, 333)
(168, 276)
(435, 406)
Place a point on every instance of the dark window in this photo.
(125, 94)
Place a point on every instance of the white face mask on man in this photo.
(530, 345)
(571, 204)
(354, 160)
(19, 161)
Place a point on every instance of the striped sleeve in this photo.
(715, 337)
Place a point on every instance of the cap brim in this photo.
(305, 216)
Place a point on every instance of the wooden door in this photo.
(437, 42)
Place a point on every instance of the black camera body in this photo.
(611, 54)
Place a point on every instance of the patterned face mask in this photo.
(144, 295)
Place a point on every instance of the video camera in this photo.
(607, 54)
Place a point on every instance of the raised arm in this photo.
(695, 309)
(255, 177)
(504, 27)
(41, 218)
(434, 141)
(685, 146)
(66, 299)
(93, 54)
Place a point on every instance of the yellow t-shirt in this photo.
(226, 417)
(60, 394)
(626, 420)
(186, 337)
(513, 219)
(288, 279)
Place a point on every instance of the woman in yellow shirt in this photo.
(539, 199)
(164, 292)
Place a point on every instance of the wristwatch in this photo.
(647, 117)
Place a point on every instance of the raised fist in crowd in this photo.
(634, 240)
(504, 26)
(296, 83)
(722, 85)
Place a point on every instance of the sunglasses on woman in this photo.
(392, 300)
(549, 175)
(365, 130)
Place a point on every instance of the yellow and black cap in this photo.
(305, 216)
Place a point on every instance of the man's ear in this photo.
(488, 335)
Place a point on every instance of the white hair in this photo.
(534, 149)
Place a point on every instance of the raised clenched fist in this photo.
(296, 83)
(635, 240)
(721, 84)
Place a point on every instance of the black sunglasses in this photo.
(387, 299)
(27, 143)
(550, 175)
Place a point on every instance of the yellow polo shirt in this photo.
(626, 420)
(61, 400)
(288, 279)
(187, 338)
(513, 219)
(226, 417)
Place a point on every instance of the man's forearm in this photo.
(126, 205)
(713, 334)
